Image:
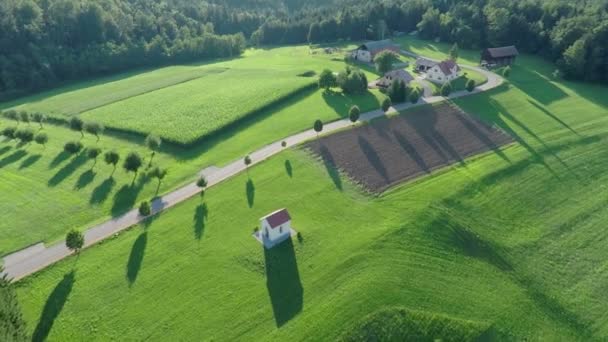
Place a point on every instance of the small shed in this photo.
(423, 64)
(369, 50)
(275, 228)
(394, 75)
(504, 55)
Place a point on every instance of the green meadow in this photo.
(509, 245)
(49, 192)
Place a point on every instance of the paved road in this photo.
(24, 263)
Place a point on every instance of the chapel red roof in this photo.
(277, 218)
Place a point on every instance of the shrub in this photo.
(352, 80)
(144, 208)
(72, 147)
(327, 79)
(446, 89)
(414, 96)
(318, 126)
(26, 135)
(41, 139)
(354, 113)
(386, 104)
(470, 85)
(9, 132)
(283, 143)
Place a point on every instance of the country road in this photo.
(23, 263)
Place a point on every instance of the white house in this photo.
(367, 52)
(443, 72)
(275, 228)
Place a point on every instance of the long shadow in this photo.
(283, 282)
(341, 103)
(535, 85)
(12, 158)
(29, 161)
(136, 257)
(125, 198)
(424, 128)
(85, 179)
(200, 217)
(552, 116)
(102, 191)
(5, 149)
(53, 306)
(411, 151)
(373, 158)
(59, 158)
(331, 167)
(250, 192)
(288, 168)
(68, 169)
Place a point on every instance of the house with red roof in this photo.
(443, 72)
(275, 228)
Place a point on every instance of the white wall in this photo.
(436, 75)
(362, 55)
(278, 232)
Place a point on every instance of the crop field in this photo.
(56, 193)
(387, 152)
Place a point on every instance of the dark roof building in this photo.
(423, 64)
(394, 75)
(500, 55)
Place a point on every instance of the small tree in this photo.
(74, 240)
(384, 61)
(25, 135)
(202, 183)
(470, 85)
(414, 96)
(159, 174)
(446, 89)
(506, 72)
(153, 142)
(9, 132)
(24, 117)
(386, 104)
(247, 160)
(283, 143)
(39, 118)
(72, 147)
(318, 127)
(454, 52)
(94, 128)
(112, 158)
(76, 124)
(12, 115)
(327, 80)
(354, 113)
(144, 208)
(93, 153)
(41, 139)
(133, 163)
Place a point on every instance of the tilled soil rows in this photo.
(387, 152)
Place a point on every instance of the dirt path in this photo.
(28, 263)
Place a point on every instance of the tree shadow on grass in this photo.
(330, 165)
(102, 191)
(341, 103)
(5, 149)
(250, 191)
(535, 85)
(200, 217)
(288, 168)
(283, 282)
(12, 158)
(411, 151)
(59, 158)
(136, 257)
(125, 198)
(68, 169)
(552, 116)
(52, 308)
(85, 179)
(29, 161)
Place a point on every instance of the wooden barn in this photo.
(499, 56)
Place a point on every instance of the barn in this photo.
(367, 52)
(504, 55)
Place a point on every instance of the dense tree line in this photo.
(43, 42)
(12, 325)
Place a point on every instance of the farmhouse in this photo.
(369, 50)
(275, 228)
(393, 76)
(423, 64)
(499, 56)
(443, 72)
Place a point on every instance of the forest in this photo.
(46, 42)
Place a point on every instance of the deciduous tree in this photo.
(153, 142)
(41, 139)
(354, 113)
(94, 128)
(327, 80)
(76, 124)
(112, 158)
(132, 163)
(74, 240)
(384, 61)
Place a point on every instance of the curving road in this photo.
(32, 259)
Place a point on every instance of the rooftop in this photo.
(504, 51)
(277, 218)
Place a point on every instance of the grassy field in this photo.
(185, 103)
(57, 193)
(513, 239)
